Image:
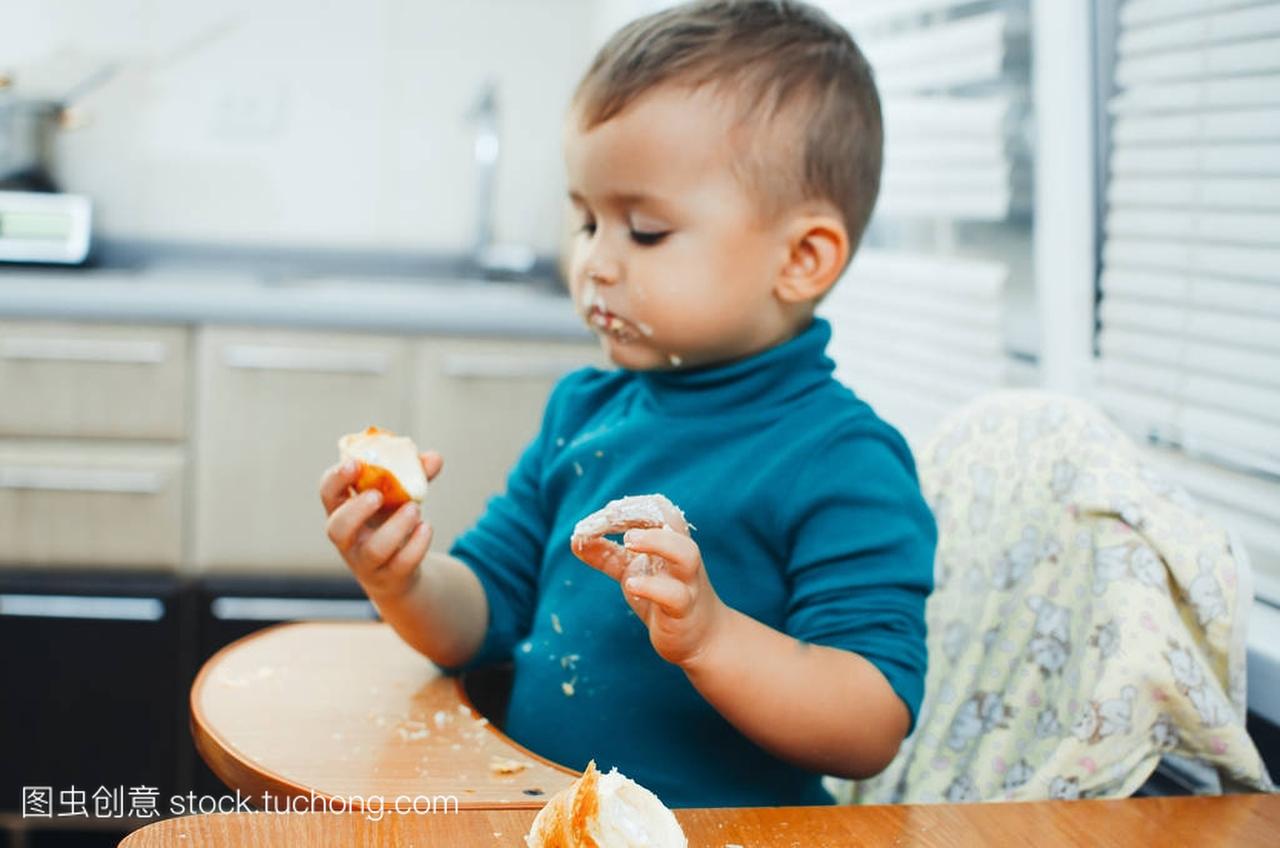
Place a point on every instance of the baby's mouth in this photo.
(605, 321)
(599, 318)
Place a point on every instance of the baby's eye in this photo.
(588, 227)
(648, 239)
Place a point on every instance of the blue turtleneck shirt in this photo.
(809, 519)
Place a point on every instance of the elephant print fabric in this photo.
(1087, 617)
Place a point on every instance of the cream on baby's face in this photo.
(673, 264)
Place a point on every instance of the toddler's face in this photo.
(672, 264)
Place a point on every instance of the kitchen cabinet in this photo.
(92, 465)
(200, 448)
(271, 406)
(92, 671)
(90, 503)
(98, 673)
(92, 380)
(479, 402)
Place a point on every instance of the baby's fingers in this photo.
(383, 543)
(345, 521)
(335, 482)
(410, 556)
(680, 552)
(601, 554)
(432, 462)
(674, 597)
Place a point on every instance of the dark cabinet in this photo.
(95, 678)
(92, 668)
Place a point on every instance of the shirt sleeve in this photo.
(504, 549)
(861, 556)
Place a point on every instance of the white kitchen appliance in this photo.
(44, 227)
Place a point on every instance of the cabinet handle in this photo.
(82, 606)
(264, 358)
(110, 351)
(96, 480)
(507, 366)
(288, 609)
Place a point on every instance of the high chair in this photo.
(1087, 618)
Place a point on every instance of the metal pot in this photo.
(27, 128)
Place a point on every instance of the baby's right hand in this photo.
(384, 552)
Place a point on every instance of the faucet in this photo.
(490, 256)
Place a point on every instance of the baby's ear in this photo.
(817, 248)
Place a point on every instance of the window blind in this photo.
(1189, 319)
(918, 335)
(918, 322)
(946, 156)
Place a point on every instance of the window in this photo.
(1189, 315)
(938, 305)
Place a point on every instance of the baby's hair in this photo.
(785, 62)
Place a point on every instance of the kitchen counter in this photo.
(442, 306)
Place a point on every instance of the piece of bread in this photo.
(641, 511)
(388, 463)
(605, 811)
(633, 511)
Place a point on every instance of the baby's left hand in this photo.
(676, 602)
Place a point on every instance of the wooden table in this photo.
(328, 710)
(1235, 820)
(319, 714)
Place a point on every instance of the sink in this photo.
(541, 286)
(320, 268)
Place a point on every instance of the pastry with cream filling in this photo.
(605, 811)
(389, 463)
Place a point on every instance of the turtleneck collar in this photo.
(769, 378)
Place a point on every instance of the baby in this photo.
(723, 158)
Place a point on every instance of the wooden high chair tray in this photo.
(1235, 820)
(336, 712)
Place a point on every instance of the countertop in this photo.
(398, 305)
